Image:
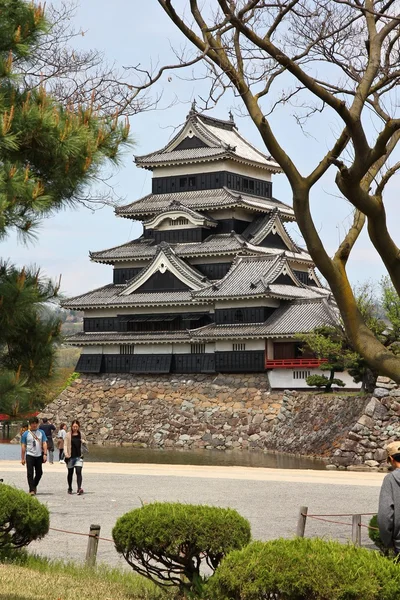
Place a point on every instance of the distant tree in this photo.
(338, 58)
(27, 340)
(381, 313)
(15, 396)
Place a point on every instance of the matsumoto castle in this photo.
(214, 284)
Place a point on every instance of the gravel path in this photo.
(268, 498)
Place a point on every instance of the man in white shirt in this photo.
(33, 453)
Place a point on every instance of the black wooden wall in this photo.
(209, 181)
(220, 362)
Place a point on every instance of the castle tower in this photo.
(215, 284)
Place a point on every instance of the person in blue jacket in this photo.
(33, 453)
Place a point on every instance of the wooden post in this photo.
(93, 542)
(301, 523)
(356, 530)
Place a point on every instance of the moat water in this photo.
(243, 458)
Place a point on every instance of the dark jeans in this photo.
(61, 454)
(34, 463)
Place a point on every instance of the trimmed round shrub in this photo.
(304, 569)
(22, 518)
(169, 542)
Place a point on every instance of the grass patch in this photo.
(26, 576)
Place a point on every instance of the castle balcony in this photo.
(294, 363)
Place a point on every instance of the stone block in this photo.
(380, 392)
(366, 421)
(370, 408)
(380, 454)
(349, 446)
(371, 463)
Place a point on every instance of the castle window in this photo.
(178, 222)
(239, 316)
(182, 182)
(301, 374)
(238, 347)
(192, 182)
(127, 349)
(197, 348)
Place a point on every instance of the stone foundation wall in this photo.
(201, 411)
(232, 412)
(377, 425)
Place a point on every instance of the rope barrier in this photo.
(369, 527)
(84, 534)
(327, 520)
(341, 515)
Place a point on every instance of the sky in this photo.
(139, 32)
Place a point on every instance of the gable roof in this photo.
(221, 140)
(258, 230)
(166, 260)
(292, 317)
(252, 276)
(202, 200)
(176, 209)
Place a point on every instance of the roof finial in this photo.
(192, 110)
(231, 117)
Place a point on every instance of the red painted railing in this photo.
(294, 363)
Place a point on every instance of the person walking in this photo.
(48, 429)
(33, 453)
(62, 432)
(389, 501)
(74, 445)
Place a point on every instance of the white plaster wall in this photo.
(247, 303)
(270, 349)
(92, 350)
(153, 348)
(111, 349)
(210, 260)
(233, 213)
(127, 264)
(212, 167)
(283, 379)
(227, 345)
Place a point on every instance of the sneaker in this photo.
(32, 493)
(70, 491)
(80, 492)
(62, 462)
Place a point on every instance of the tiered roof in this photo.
(214, 140)
(203, 200)
(253, 276)
(249, 277)
(289, 319)
(257, 271)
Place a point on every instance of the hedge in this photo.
(22, 518)
(304, 569)
(168, 542)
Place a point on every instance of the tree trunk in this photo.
(369, 381)
(379, 358)
(328, 387)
